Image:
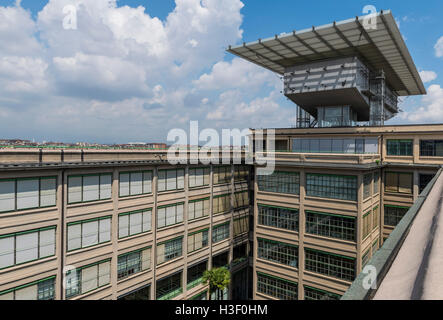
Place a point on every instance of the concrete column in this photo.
(359, 221)
(114, 231)
(154, 233)
(301, 235)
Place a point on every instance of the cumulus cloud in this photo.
(428, 76)
(439, 48)
(431, 109)
(121, 68)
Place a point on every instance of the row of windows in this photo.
(331, 226)
(133, 262)
(222, 175)
(346, 146)
(197, 240)
(88, 233)
(133, 223)
(135, 183)
(241, 199)
(399, 147)
(86, 188)
(22, 247)
(221, 203)
(39, 290)
(330, 265)
(280, 182)
(87, 278)
(399, 182)
(169, 250)
(428, 148)
(220, 232)
(169, 215)
(198, 177)
(370, 221)
(278, 252)
(317, 294)
(198, 208)
(276, 287)
(331, 186)
(277, 217)
(393, 215)
(27, 193)
(241, 225)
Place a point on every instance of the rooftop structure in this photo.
(342, 73)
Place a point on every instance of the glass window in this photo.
(367, 181)
(169, 287)
(331, 226)
(197, 240)
(38, 290)
(330, 264)
(133, 262)
(195, 274)
(27, 193)
(87, 233)
(393, 215)
(170, 215)
(89, 187)
(278, 217)
(399, 182)
(317, 294)
(278, 252)
(133, 223)
(277, 287)
(135, 183)
(169, 250)
(198, 177)
(399, 147)
(424, 181)
(87, 278)
(26, 246)
(331, 186)
(220, 232)
(280, 182)
(172, 179)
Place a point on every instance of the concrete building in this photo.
(126, 224)
(343, 180)
(118, 224)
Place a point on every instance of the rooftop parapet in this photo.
(408, 265)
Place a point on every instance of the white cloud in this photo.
(428, 76)
(236, 74)
(431, 109)
(439, 48)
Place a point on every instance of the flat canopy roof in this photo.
(382, 48)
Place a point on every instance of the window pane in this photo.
(74, 189)
(105, 186)
(105, 230)
(27, 194)
(136, 185)
(89, 233)
(47, 192)
(47, 243)
(124, 185)
(74, 236)
(90, 188)
(26, 247)
(135, 223)
(123, 226)
(7, 196)
(6, 252)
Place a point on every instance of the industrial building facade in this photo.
(88, 227)
(114, 224)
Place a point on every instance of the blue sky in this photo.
(130, 75)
